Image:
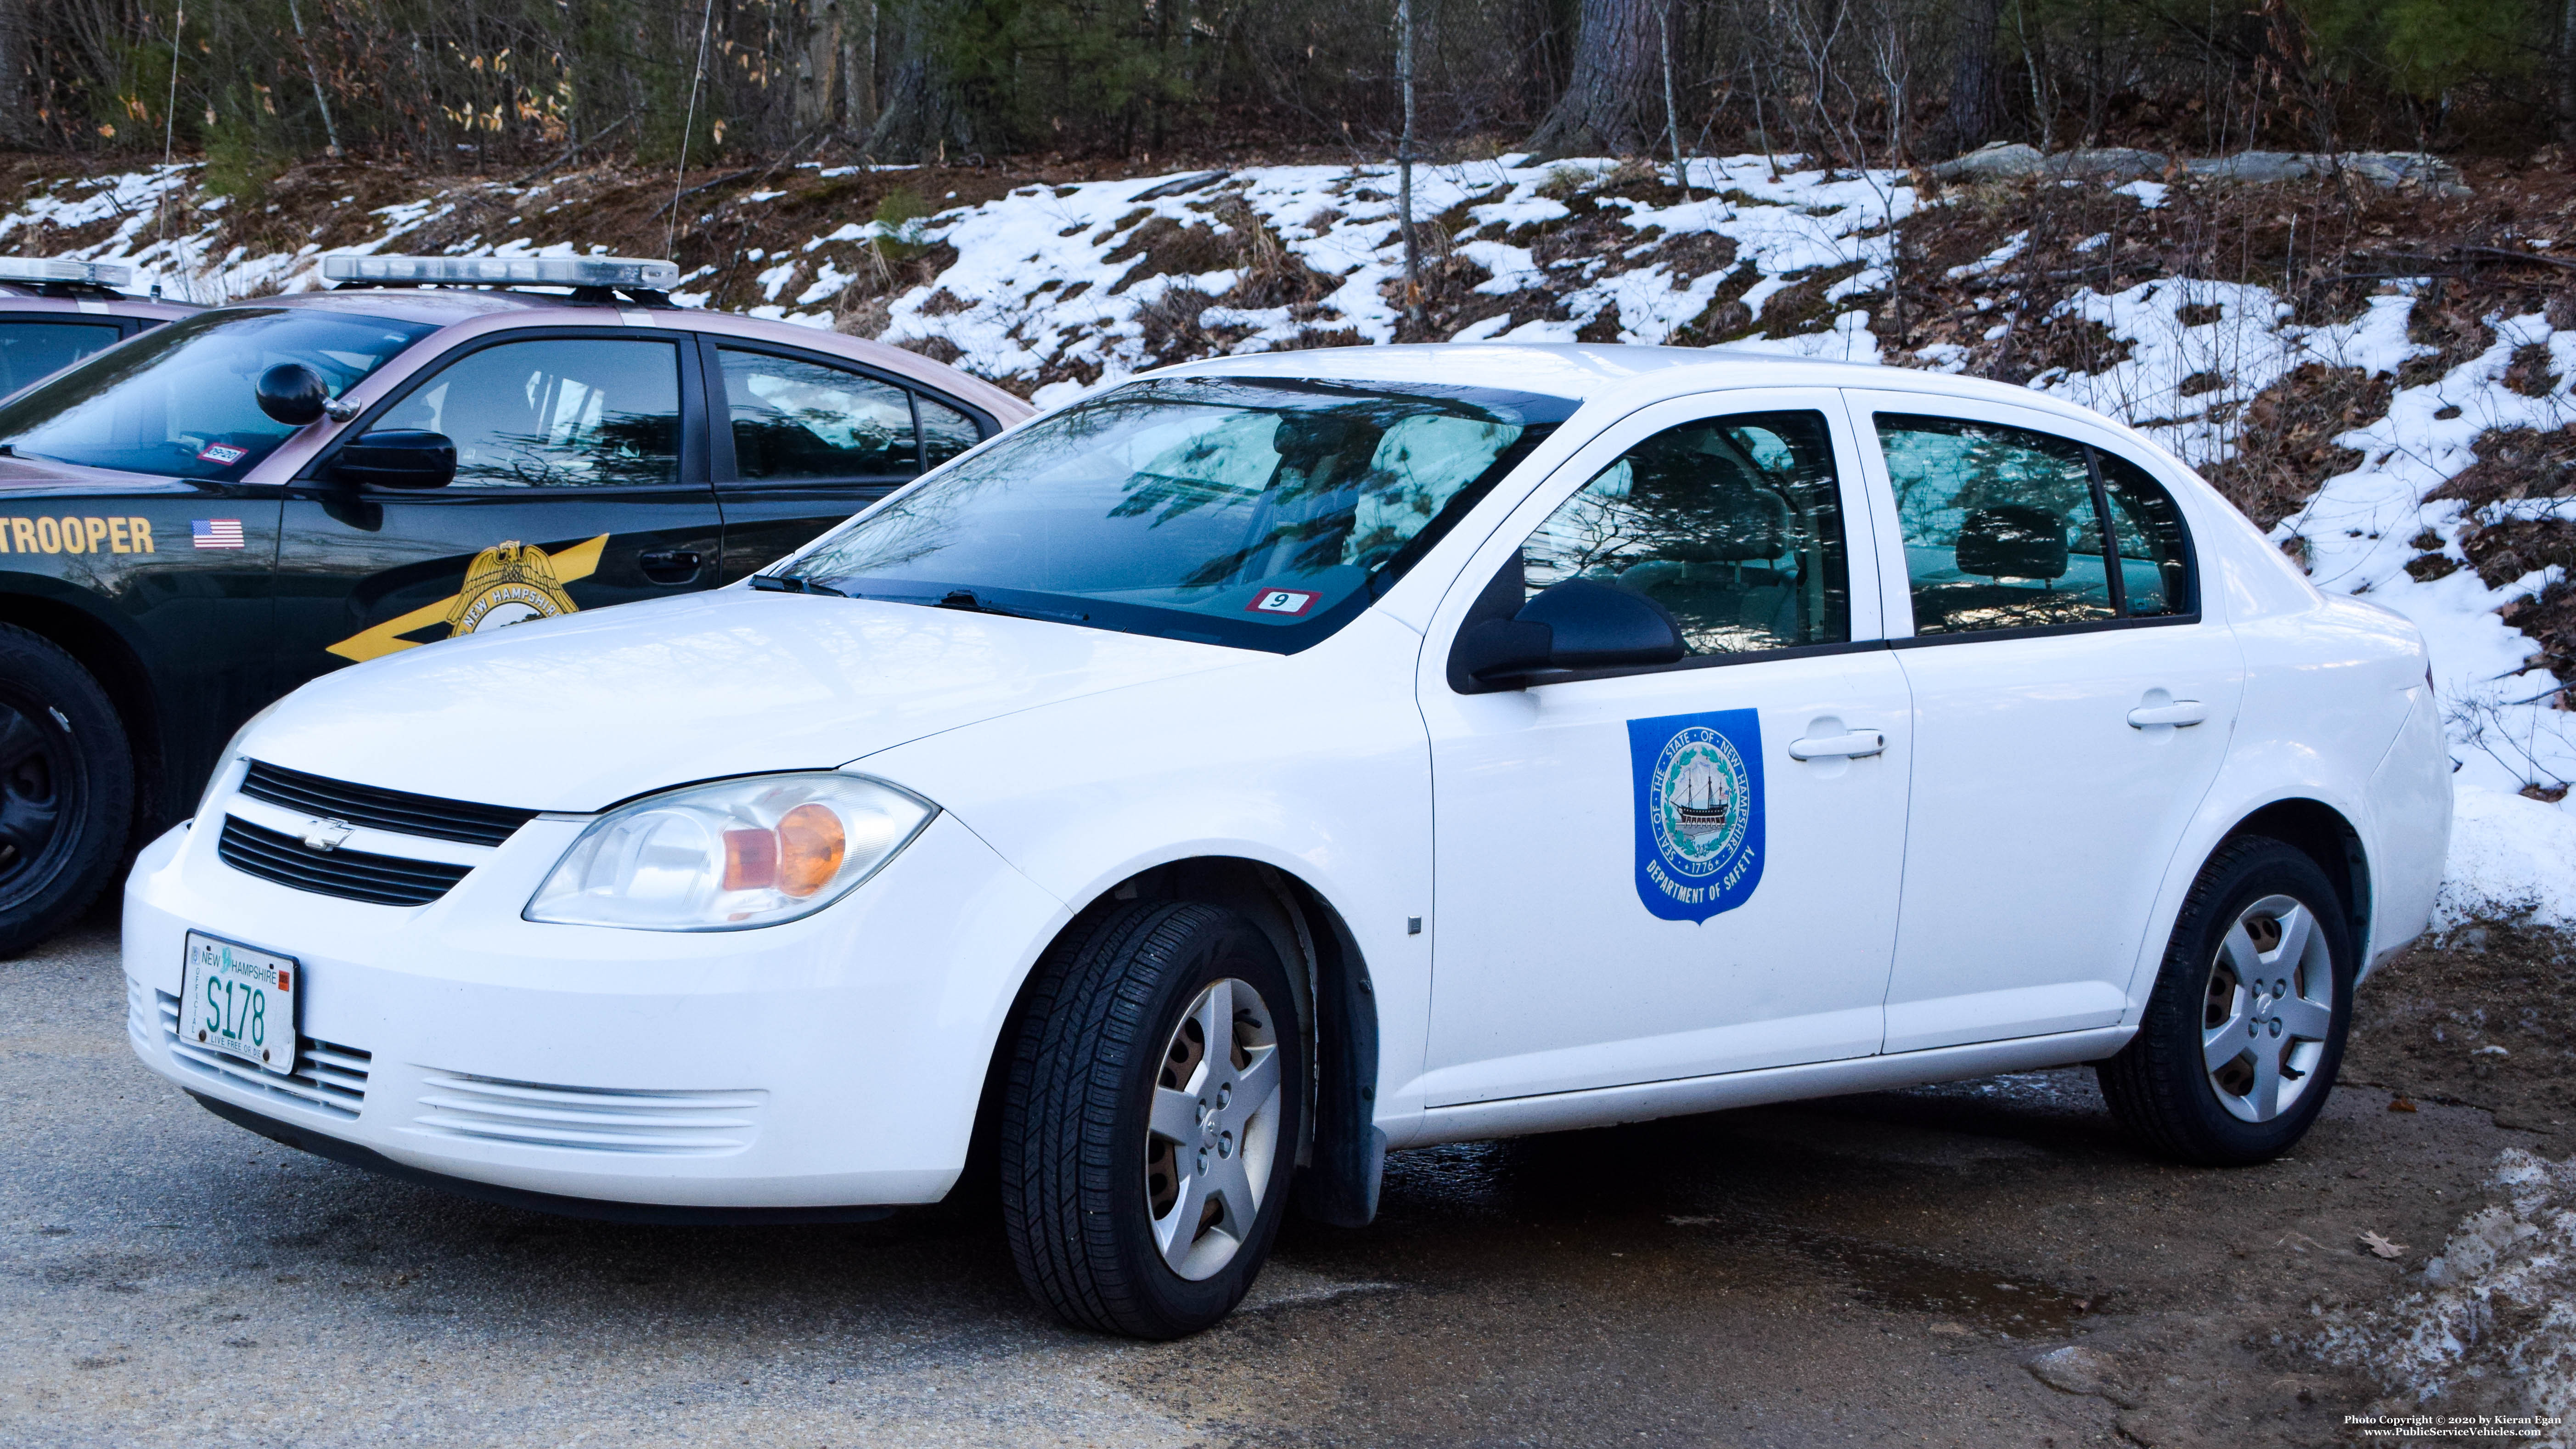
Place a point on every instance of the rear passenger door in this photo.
(2071, 707)
(804, 441)
(581, 482)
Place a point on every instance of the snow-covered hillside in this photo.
(1057, 289)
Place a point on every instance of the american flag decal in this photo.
(216, 532)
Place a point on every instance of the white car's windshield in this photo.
(180, 401)
(1263, 513)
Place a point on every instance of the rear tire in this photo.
(66, 789)
(2245, 1030)
(1151, 1119)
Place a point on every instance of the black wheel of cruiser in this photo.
(1151, 1119)
(2245, 1030)
(66, 789)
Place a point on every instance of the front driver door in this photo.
(1677, 870)
(581, 482)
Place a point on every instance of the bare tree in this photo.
(1404, 171)
(1976, 82)
(15, 112)
(1605, 110)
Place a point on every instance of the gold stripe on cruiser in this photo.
(521, 570)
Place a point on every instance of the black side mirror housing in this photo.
(397, 458)
(1577, 624)
(293, 394)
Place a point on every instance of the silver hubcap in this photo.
(1213, 1129)
(2269, 1005)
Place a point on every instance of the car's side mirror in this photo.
(1577, 624)
(293, 394)
(397, 458)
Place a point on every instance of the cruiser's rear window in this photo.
(1262, 513)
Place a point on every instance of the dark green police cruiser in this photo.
(205, 515)
(54, 312)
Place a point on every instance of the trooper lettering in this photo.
(76, 534)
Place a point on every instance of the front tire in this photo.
(66, 789)
(2245, 1030)
(1151, 1119)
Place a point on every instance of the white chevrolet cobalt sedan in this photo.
(1188, 796)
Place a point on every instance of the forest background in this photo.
(255, 86)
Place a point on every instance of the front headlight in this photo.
(731, 855)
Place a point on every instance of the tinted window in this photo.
(1999, 523)
(795, 419)
(32, 350)
(1734, 524)
(2155, 574)
(555, 413)
(945, 432)
(1258, 512)
(178, 403)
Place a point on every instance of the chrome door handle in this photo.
(2182, 712)
(1857, 745)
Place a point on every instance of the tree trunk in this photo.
(1605, 110)
(17, 115)
(921, 118)
(1976, 85)
(817, 65)
(2566, 72)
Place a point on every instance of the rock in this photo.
(2258, 167)
(2078, 1370)
(2108, 163)
(2395, 168)
(1995, 161)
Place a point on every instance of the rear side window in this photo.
(31, 350)
(945, 432)
(1733, 523)
(2003, 529)
(796, 419)
(2155, 568)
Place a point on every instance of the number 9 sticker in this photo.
(1288, 602)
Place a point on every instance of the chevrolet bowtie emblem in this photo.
(328, 834)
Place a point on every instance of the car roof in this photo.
(1619, 373)
(449, 307)
(25, 298)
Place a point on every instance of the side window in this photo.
(556, 413)
(30, 350)
(2155, 567)
(1734, 524)
(1999, 523)
(796, 419)
(945, 432)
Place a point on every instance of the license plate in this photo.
(241, 1002)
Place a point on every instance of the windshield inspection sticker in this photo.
(1291, 602)
(222, 454)
(1699, 811)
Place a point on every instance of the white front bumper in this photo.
(832, 1061)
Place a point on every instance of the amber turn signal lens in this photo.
(751, 860)
(810, 846)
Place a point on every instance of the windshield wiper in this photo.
(793, 584)
(965, 599)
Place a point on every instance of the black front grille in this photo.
(384, 809)
(384, 880)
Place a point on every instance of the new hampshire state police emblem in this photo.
(1699, 811)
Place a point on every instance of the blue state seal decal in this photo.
(1699, 811)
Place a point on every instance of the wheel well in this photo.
(1343, 1150)
(98, 649)
(2320, 832)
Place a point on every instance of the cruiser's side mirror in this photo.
(293, 394)
(397, 458)
(1577, 624)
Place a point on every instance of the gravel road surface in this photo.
(1876, 1269)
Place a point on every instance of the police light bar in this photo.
(54, 269)
(631, 272)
